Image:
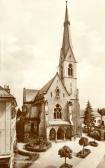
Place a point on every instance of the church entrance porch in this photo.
(52, 135)
(60, 133)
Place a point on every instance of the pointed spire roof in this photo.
(66, 40)
(66, 16)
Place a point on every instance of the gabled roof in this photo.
(29, 95)
(4, 93)
(46, 87)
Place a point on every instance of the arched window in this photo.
(70, 70)
(57, 112)
(57, 92)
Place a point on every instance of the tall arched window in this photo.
(57, 112)
(57, 92)
(70, 70)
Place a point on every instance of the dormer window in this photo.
(70, 70)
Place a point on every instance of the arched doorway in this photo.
(68, 133)
(60, 133)
(52, 135)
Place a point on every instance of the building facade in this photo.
(53, 112)
(7, 125)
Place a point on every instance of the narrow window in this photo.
(70, 70)
(54, 115)
(57, 92)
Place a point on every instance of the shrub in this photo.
(38, 147)
(96, 135)
(93, 143)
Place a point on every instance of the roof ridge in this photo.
(47, 85)
(1, 87)
(4, 93)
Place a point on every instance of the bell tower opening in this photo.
(70, 70)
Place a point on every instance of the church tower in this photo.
(67, 62)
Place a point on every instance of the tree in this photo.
(102, 113)
(88, 117)
(83, 142)
(65, 152)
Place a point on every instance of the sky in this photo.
(31, 33)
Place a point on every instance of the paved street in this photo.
(51, 159)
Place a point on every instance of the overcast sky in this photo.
(31, 33)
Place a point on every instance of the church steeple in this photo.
(67, 61)
(66, 40)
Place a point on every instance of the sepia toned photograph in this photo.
(52, 84)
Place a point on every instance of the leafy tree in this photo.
(88, 117)
(102, 113)
(65, 152)
(83, 142)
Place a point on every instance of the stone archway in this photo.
(60, 134)
(68, 133)
(52, 135)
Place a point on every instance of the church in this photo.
(53, 112)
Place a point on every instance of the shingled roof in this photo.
(47, 86)
(4, 93)
(29, 95)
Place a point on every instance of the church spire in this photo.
(66, 40)
(66, 15)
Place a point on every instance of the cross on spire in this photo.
(66, 2)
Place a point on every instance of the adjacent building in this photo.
(53, 111)
(7, 125)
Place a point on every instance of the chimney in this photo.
(6, 88)
(24, 95)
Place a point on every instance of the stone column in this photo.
(56, 135)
